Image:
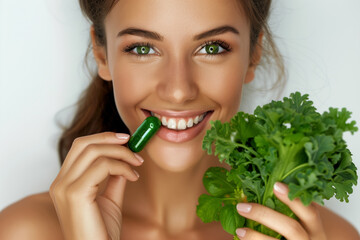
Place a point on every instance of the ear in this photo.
(100, 57)
(255, 59)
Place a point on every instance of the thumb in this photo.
(115, 190)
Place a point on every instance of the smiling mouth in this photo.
(178, 122)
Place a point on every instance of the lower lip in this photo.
(179, 136)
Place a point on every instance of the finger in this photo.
(247, 234)
(81, 143)
(95, 151)
(115, 190)
(282, 224)
(308, 215)
(87, 185)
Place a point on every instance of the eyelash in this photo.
(221, 43)
(128, 49)
(131, 47)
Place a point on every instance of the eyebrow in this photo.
(141, 33)
(216, 31)
(158, 37)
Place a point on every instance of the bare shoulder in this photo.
(33, 217)
(336, 226)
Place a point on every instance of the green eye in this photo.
(212, 49)
(142, 50)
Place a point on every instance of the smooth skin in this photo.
(99, 195)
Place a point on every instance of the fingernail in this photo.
(280, 188)
(243, 207)
(136, 173)
(139, 157)
(240, 232)
(122, 136)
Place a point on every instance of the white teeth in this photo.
(163, 121)
(190, 123)
(171, 123)
(181, 124)
(201, 117)
(196, 120)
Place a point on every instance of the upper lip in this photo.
(187, 113)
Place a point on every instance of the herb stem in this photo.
(225, 199)
(249, 149)
(295, 169)
(240, 145)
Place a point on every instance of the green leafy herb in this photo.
(287, 141)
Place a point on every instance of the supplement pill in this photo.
(142, 135)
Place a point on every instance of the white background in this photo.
(42, 44)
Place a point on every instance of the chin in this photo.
(175, 157)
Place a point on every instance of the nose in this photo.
(177, 84)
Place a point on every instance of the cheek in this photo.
(132, 83)
(224, 85)
(128, 86)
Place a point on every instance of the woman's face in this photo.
(184, 61)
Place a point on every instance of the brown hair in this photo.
(96, 109)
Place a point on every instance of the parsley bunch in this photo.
(286, 141)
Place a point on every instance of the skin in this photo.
(89, 200)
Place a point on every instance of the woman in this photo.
(181, 61)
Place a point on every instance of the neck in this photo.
(167, 199)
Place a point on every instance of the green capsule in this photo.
(142, 135)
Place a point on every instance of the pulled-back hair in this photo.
(96, 109)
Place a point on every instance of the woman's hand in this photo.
(308, 227)
(89, 189)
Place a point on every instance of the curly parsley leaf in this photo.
(215, 182)
(285, 141)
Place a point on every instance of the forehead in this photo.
(176, 18)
